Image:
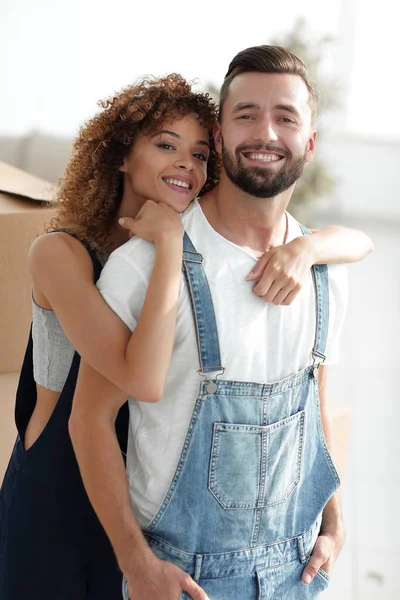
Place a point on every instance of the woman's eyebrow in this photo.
(176, 135)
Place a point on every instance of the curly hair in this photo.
(91, 189)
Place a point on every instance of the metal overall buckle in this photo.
(211, 386)
(316, 363)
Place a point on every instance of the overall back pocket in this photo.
(255, 466)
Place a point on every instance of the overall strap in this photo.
(321, 284)
(203, 309)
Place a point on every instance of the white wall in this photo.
(60, 57)
(367, 175)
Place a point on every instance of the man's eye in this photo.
(245, 117)
(287, 120)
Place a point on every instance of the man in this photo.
(230, 476)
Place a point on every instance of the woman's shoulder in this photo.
(60, 249)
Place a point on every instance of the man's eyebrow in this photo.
(177, 136)
(245, 106)
(289, 108)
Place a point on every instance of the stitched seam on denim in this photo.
(300, 424)
(189, 284)
(233, 553)
(332, 469)
(213, 485)
(179, 467)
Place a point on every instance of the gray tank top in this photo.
(52, 351)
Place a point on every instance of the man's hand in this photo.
(324, 555)
(152, 579)
(281, 272)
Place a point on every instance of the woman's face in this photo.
(168, 165)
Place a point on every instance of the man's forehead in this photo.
(261, 88)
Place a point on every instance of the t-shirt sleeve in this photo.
(338, 300)
(123, 288)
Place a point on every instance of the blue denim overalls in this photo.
(52, 546)
(243, 510)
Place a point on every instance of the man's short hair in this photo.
(268, 59)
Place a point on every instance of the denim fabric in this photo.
(243, 510)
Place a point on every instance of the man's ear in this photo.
(217, 137)
(312, 143)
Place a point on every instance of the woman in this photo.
(51, 543)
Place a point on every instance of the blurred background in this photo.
(59, 58)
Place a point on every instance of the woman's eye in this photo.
(165, 146)
(201, 156)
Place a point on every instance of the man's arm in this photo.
(92, 429)
(331, 537)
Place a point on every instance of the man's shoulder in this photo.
(338, 279)
(136, 251)
(191, 215)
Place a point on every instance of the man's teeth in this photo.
(183, 184)
(264, 157)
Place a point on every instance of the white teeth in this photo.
(183, 184)
(264, 157)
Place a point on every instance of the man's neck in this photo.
(255, 223)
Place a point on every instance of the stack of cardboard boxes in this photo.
(24, 210)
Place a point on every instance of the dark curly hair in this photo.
(90, 191)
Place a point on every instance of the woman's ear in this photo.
(123, 168)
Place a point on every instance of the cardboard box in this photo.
(24, 209)
(8, 431)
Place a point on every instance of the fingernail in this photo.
(307, 578)
(250, 275)
(121, 221)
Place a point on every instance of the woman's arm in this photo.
(62, 273)
(281, 272)
(337, 244)
(91, 426)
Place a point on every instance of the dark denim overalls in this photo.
(52, 546)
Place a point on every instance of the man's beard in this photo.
(258, 181)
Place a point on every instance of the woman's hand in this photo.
(282, 271)
(154, 222)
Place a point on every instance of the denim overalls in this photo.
(243, 510)
(52, 546)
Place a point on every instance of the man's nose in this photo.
(266, 130)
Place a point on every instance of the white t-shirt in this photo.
(259, 342)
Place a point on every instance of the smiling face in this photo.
(168, 165)
(265, 137)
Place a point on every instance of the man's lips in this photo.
(262, 157)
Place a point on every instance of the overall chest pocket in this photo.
(255, 466)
